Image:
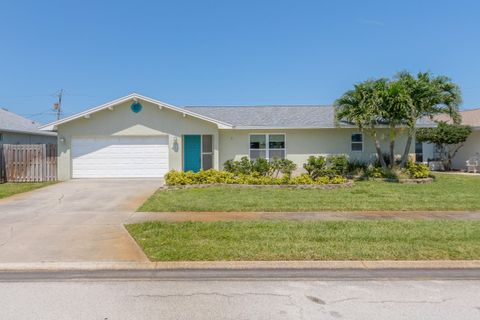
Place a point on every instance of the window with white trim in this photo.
(357, 142)
(267, 146)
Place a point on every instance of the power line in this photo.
(29, 96)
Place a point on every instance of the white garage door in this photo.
(119, 157)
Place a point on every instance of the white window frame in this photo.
(356, 142)
(267, 143)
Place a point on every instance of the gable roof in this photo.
(134, 96)
(11, 122)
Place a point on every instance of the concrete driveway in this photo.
(77, 220)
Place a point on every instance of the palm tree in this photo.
(397, 105)
(361, 106)
(430, 96)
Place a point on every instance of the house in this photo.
(470, 148)
(15, 129)
(137, 136)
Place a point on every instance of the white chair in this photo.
(473, 164)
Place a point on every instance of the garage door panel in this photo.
(116, 157)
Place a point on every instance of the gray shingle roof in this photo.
(294, 116)
(12, 122)
(311, 116)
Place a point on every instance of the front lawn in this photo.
(8, 189)
(448, 192)
(309, 240)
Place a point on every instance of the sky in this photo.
(226, 52)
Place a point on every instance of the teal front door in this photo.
(192, 153)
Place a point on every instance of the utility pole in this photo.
(57, 106)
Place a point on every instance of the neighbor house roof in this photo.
(11, 122)
(470, 117)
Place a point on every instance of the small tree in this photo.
(397, 105)
(361, 107)
(430, 96)
(448, 138)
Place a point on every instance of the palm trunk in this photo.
(392, 147)
(378, 148)
(406, 152)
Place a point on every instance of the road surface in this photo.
(224, 294)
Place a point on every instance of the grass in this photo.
(309, 240)
(448, 192)
(8, 189)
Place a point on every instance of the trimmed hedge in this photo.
(211, 176)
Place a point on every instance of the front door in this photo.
(192, 153)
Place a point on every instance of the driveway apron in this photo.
(77, 220)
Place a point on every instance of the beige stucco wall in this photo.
(121, 121)
(302, 143)
(470, 148)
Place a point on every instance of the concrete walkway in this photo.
(74, 221)
(304, 216)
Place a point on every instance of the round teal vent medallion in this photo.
(136, 107)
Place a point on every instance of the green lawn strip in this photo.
(9, 188)
(448, 192)
(309, 240)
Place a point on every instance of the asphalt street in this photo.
(234, 294)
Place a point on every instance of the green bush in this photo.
(411, 171)
(417, 170)
(211, 176)
(260, 166)
(374, 172)
(244, 166)
(283, 166)
(315, 166)
(175, 178)
(338, 164)
(357, 168)
(302, 179)
(330, 166)
(307, 179)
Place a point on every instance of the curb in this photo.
(238, 265)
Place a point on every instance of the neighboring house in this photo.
(136, 136)
(472, 145)
(15, 129)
